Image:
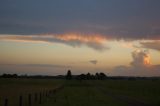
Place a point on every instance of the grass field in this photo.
(13, 88)
(85, 93)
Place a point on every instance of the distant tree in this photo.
(88, 76)
(97, 76)
(4, 75)
(102, 76)
(69, 75)
(81, 77)
(9, 75)
(15, 75)
(93, 77)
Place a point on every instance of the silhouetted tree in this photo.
(102, 76)
(97, 76)
(69, 75)
(9, 76)
(81, 77)
(92, 77)
(15, 75)
(88, 76)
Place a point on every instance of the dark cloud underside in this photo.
(155, 45)
(136, 19)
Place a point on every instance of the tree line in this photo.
(88, 76)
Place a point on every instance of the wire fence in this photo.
(31, 99)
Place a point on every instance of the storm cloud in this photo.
(129, 20)
(75, 40)
(139, 66)
(140, 58)
(155, 45)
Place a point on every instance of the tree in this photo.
(9, 75)
(97, 76)
(102, 76)
(88, 75)
(69, 75)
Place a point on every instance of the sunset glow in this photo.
(113, 37)
(147, 60)
(84, 38)
(65, 37)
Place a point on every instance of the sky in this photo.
(49, 37)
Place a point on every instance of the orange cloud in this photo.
(94, 41)
(139, 66)
(127, 44)
(147, 60)
(140, 58)
(84, 38)
(19, 38)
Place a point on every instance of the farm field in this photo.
(85, 93)
(12, 88)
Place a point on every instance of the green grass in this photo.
(83, 93)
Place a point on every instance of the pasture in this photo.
(83, 93)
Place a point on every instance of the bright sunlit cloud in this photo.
(94, 41)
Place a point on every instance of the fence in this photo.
(36, 98)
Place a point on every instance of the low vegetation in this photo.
(122, 92)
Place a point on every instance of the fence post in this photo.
(29, 100)
(42, 94)
(6, 102)
(40, 98)
(55, 100)
(50, 93)
(46, 93)
(35, 97)
(20, 100)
